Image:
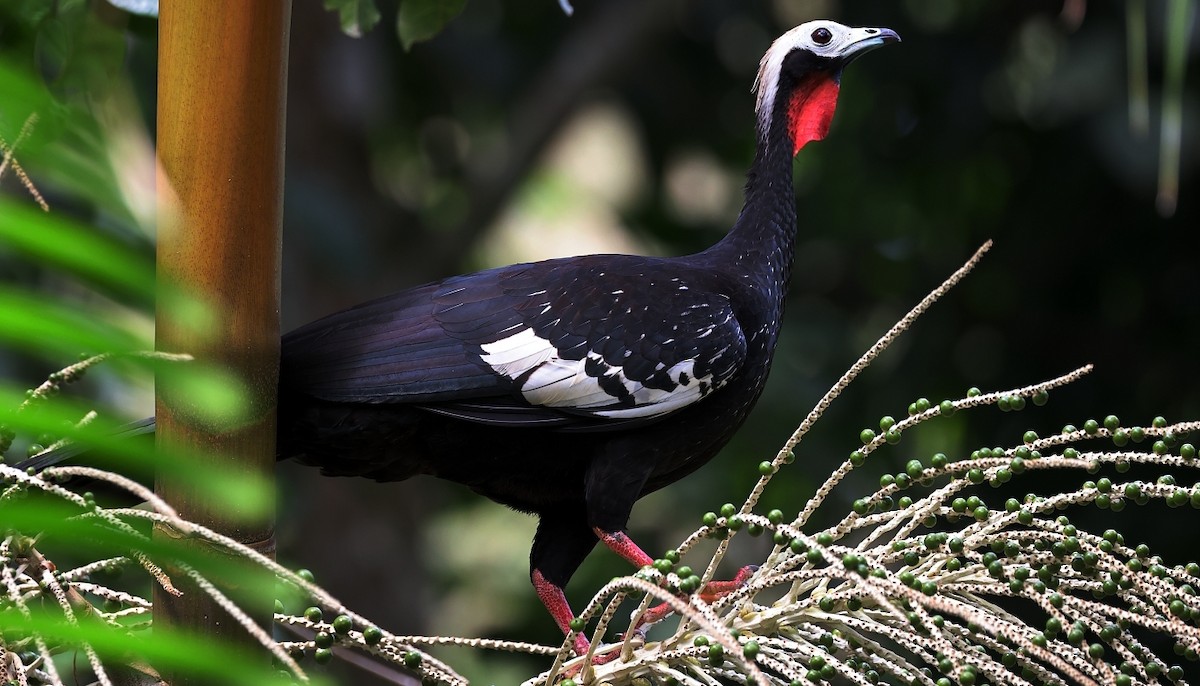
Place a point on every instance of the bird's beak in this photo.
(863, 40)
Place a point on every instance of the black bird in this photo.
(572, 387)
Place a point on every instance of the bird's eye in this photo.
(822, 36)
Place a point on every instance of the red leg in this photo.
(556, 602)
(714, 590)
(624, 546)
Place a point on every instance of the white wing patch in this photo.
(552, 381)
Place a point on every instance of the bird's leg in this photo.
(620, 543)
(555, 600)
(559, 547)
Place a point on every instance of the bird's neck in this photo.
(762, 241)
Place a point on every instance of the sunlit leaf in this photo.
(108, 443)
(420, 20)
(210, 394)
(66, 526)
(55, 240)
(56, 330)
(22, 96)
(198, 655)
(356, 16)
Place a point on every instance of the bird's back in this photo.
(512, 379)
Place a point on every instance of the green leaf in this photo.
(57, 331)
(197, 655)
(420, 20)
(77, 249)
(356, 16)
(207, 393)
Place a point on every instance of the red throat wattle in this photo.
(811, 109)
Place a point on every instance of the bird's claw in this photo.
(713, 591)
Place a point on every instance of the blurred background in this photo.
(521, 133)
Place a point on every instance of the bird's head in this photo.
(799, 76)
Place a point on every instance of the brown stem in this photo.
(221, 93)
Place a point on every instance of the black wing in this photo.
(599, 337)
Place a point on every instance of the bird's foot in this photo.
(711, 593)
(603, 655)
(715, 590)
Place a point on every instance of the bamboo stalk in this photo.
(221, 94)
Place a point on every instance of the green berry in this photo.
(1112, 423)
(342, 624)
(372, 635)
(866, 436)
(313, 614)
(323, 656)
(716, 655)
